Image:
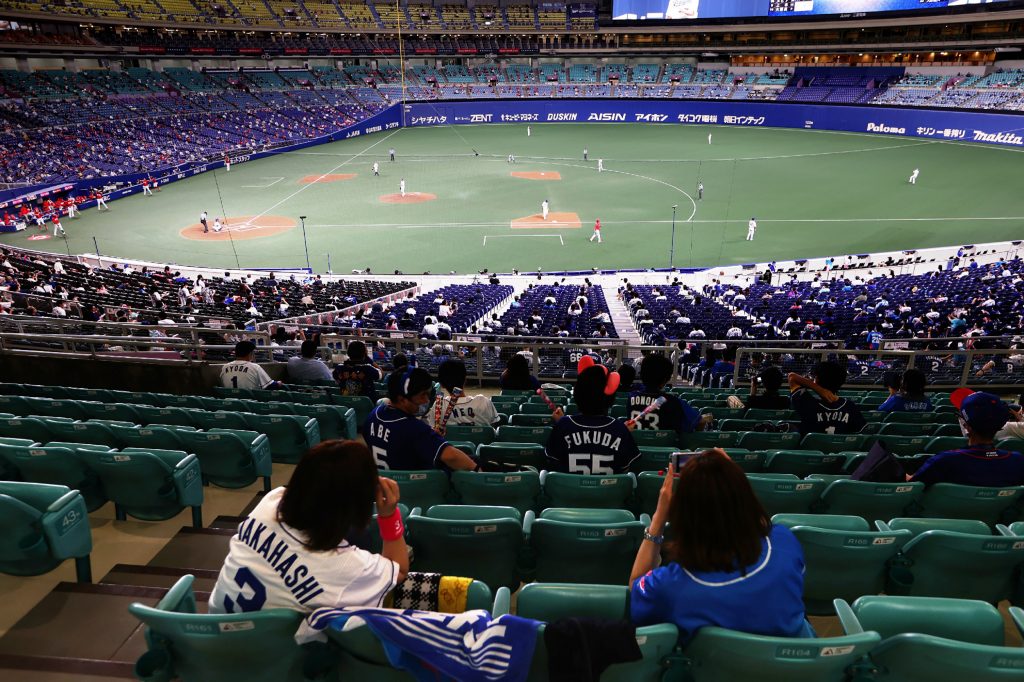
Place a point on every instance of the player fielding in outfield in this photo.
(376, 169)
(600, 165)
(597, 231)
(700, 191)
(913, 176)
(751, 229)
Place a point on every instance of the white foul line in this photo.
(508, 236)
(275, 179)
(323, 175)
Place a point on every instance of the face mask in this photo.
(963, 427)
(422, 410)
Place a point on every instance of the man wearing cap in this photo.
(981, 463)
(397, 437)
(243, 372)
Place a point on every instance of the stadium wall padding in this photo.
(964, 126)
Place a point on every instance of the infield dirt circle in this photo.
(409, 198)
(241, 227)
(330, 177)
(537, 175)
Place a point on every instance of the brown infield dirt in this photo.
(409, 198)
(310, 179)
(555, 221)
(240, 227)
(537, 175)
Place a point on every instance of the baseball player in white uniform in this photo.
(401, 186)
(600, 165)
(544, 209)
(709, 138)
(376, 168)
(751, 229)
(913, 176)
(217, 226)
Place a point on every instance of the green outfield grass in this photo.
(813, 194)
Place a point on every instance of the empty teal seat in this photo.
(834, 442)
(290, 435)
(803, 463)
(873, 501)
(528, 420)
(159, 437)
(165, 416)
(40, 527)
(785, 493)
(82, 432)
(421, 489)
(486, 548)
(518, 489)
(477, 434)
(943, 443)
(149, 485)
(230, 458)
(753, 440)
(30, 428)
(565, 551)
(516, 454)
(581, 490)
(57, 465)
(118, 411)
(953, 501)
(523, 434)
(193, 647)
(655, 438)
(221, 419)
(702, 440)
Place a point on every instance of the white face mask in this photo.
(963, 427)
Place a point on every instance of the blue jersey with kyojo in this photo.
(400, 441)
(901, 403)
(981, 465)
(674, 415)
(591, 444)
(818, 416)
(766, 598)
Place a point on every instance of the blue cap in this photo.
(984, 412)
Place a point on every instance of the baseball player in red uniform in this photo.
(597, 231)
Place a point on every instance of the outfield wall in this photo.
(1001, 129)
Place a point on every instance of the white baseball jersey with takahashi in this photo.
(269, 567)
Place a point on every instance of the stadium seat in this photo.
(583, 552)
(761, 414)
(221, 419)
(25, 427)
(81, 432)
(834, 442)
(233, 647)
(943, 443)
(844, 558)
(946, 563)
(40, 527)
(151, 485)
(652, 458)
(60, 466)
(360, 403)
(290, 435)
(953, 501)
(701, 440)
(785, 493)
(655, 438)
(548, 602)
(648, 486)
(480, 542)
(934, 640)
(230, 458)
(517, 489)
(907, 429)
(514, 454)
(873, 501)
(535, 408)
(720, 655)
(165, 416)
(529, 420)
(480, 435)
(580, 490)
(162, 437)
(903, 445)
(523, 434)
(421, 489)
(753, 440)
(802, 463)
(118, 411)
(901, 417)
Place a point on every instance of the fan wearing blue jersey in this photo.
(909, 395)
(675, 414)
(729, 566)
(818, 404)
(397, 437)
(981, 463)
(591, 442)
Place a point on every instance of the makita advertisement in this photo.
(1001, 129)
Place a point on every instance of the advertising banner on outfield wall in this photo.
(961, 126)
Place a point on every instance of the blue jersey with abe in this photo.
(766, 598)
(981, 465)
(902, 403)
(400, 441)
(818, 416)
(591, 444)
(675, 415)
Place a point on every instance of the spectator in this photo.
(331, 494)
(475, 410)
(517, 375)
(909, 395)
(726, 555)
(243, 372)
(307, 367)
(770, 379)
(357, 375)
(675, 414)
(398, 438)
(627, 379)
(817, 403)
(981, 463)
(591, 442)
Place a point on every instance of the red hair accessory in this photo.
(611, 384)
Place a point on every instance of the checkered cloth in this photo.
(418, 591)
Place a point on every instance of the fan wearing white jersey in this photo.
(471, 410)
(291, 551)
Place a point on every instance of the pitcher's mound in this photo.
(555, 220)
(537, 175)
(330, 177)
(240, 227)
(409, 198)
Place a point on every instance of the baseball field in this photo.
(813, 193)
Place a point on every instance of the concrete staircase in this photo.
(620, 318)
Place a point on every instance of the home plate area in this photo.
(240, 227)
(555, 220)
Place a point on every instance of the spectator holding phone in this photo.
(725, 556)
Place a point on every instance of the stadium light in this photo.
(672, 246)
(304, 244)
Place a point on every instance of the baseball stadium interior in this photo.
(205, 294)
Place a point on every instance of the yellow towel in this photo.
(452, 594)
